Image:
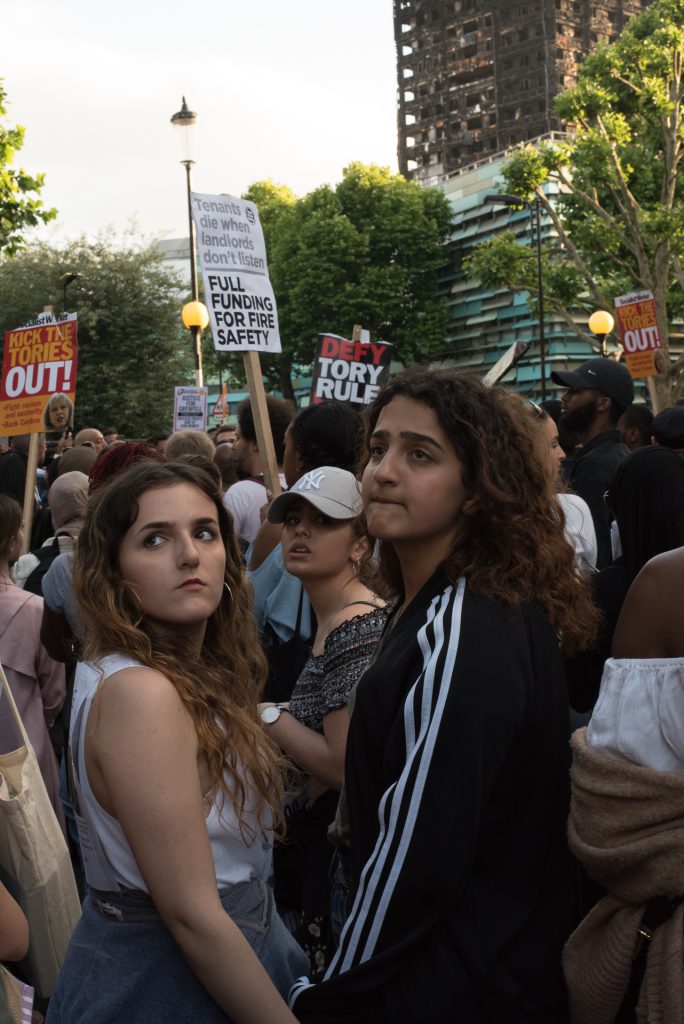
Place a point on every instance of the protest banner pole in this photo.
(507, 361)
(262, 424)
(30, 492)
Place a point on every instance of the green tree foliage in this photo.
(20, 206)
(132, 346)
(620, 217)
(364, 252)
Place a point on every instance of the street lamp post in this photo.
(185, 120)
(601, 324)
(65, 280)
(534, 206)
(196, 317)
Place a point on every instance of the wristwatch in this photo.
(272, 714)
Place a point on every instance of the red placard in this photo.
(639, 335)
(39, 360)
(349, 371)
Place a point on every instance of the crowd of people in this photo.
(311, 753)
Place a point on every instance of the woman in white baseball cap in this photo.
(324, 544)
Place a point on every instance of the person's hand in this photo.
(263, 511)
(65, 442)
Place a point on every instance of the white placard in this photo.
(237, 290)
(190, 408)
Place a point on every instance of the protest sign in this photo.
(221, 406)
(639, 335)
(190, 408)
(239, 298)
(39, 361)
(349, 371)
(237, 290)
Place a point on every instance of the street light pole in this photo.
(65, 280)
(540, 288)
(186, 121)
(195, 330)
(534, 207)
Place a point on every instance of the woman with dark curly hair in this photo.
(457, 761)
(176, 786)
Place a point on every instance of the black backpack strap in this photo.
(45, 556)
(657, 912)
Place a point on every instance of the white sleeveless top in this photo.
(108, 859)
(639, 714)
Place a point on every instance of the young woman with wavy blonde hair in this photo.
(176, 787)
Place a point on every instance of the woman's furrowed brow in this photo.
(407, 435)
(158, 525)
(168, 524)
(411, 435)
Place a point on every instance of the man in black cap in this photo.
(668, 429)
(597, 393)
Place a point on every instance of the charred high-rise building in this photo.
(477, 76)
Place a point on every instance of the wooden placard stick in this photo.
(30, 492)
(262, 424)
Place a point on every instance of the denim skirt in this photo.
(123, 964)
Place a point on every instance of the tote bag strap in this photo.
(13, 707)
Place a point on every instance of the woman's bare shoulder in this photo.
(139, 692)
(357, 609)
(651, 624)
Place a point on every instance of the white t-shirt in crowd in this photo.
(244, 500)
(579, 529)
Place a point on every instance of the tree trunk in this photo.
(660, 386)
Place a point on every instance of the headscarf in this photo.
(67, 499)
(79, 458)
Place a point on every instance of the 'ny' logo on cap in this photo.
(311, 480)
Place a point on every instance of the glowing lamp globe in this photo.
(601, 322)
(195, 314)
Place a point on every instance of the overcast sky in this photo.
(291, 91)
